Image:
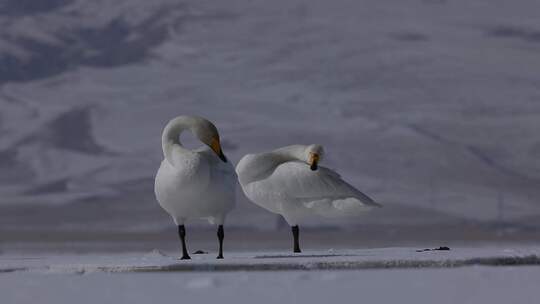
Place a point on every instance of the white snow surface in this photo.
(374, 275)
(430, 107)
(157, 261)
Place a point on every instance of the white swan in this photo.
(195, 184)
(288, 181)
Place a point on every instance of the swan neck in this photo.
(259, 166)
(171, 137)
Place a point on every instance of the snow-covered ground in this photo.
(388, 275)
(474, 285)
(332, 259)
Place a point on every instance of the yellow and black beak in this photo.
(313, 161)
(216, 147)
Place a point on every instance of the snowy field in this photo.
(461, 275)
(431, 107)
(472, 285)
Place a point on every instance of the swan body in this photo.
(201, 187)
(193, 184)
(289, 182)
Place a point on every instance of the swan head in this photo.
(208, 134)
(314, 154)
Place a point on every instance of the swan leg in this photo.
(182, 235)
(296, 232)
(220, 235)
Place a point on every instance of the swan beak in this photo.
(216, 147)
(313, 161)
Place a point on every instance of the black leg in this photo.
(295, 232)
(220, 235)
(182, 235)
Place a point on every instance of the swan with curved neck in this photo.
(192, 184)
(289, 181)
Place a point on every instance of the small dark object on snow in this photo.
(200, 252)
(442, 248)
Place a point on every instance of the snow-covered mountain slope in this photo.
(428, 106)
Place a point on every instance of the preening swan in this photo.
(290, 182)
(196, 183)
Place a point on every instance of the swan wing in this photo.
(322, 190)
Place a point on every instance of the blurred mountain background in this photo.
(431, 107)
